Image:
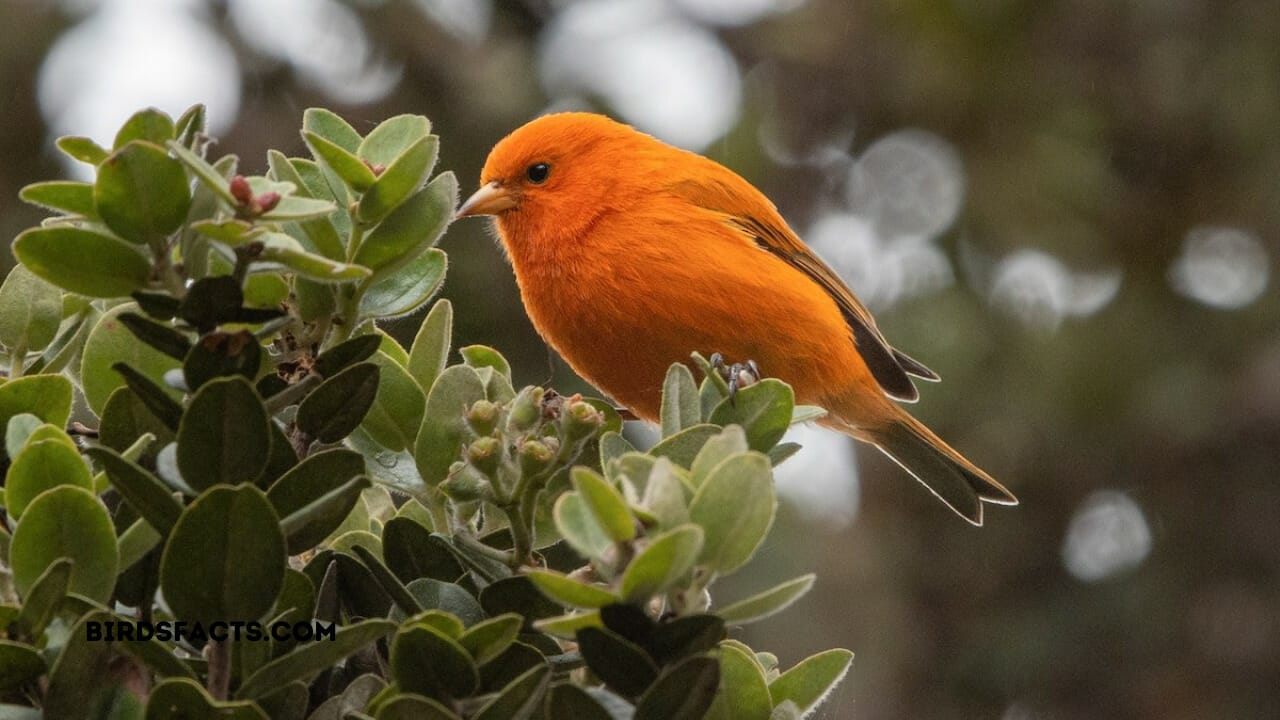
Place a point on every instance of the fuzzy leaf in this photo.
(141, 193)
(64, 196)
(735, 508)
(401, 178)
(809, 681)
(570, 592)
(606, 504)
(82, 261)
(662, 563)
(409, 288)
(769, 602)
(430, 350)
(66, 522)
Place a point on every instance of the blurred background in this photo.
(1066, 207)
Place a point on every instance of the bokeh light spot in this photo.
(1107, 534)
(1222, 267)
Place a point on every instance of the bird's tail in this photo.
(963, 486)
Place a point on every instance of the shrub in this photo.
(264, 454)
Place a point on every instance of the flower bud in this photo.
(241, 191)
(535, 457)
(581, 420)
(467, 485)
(525, 409)
(483, 417)
(266, 202)
(485, 454)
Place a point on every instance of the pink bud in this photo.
(241, 191)
(267, 201)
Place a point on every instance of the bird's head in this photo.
(552, 177)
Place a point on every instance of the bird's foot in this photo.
(738, 375)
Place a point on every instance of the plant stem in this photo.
(219, 654)
(292, 394)
(18, 358)
(474, 544)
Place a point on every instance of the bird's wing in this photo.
(766, 229)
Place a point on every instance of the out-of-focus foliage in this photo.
(1089, 271)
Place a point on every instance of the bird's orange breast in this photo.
(645, 287)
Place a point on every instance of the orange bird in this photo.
(631, 253)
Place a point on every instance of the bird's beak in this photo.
(490, 199)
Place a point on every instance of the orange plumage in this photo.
(630, 254)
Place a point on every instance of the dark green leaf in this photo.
(149, 124)
(412, 552)
(161, 337)
(338, 406)
(519, 699)
(360, 594)
(570, 701)
(66, 522)
(65, 196)
(157, 401)
(408, 706)
(763, 409)
(42, 600)
(516, 660)
(78, 680)
(310, 481)
(685, 636)
(684, 692)
(307, 526)
(347, 353)
(19, 664)
(143, 491)
(396, 414)
(487, 640)
(311, 658)
(620, 663)
(210, 301)
(517, 594)
(426, 661)
(387, 581)
(141, 193)
(437, 595)
(411, 228)
(159, 305)
(225, 558)
(82, 261)
(780, 452)
(223, 437)
(184, 699)
(402, 292)
(82, 149)
(222, 354)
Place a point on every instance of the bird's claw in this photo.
(738, 375)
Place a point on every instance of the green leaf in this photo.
(345, 354)
(411, 228)
(392, 137)
(445, 622)
(426, 661)
(397, 410)
(64, 196)
(762, 409)
(47, 397)
(437, 595)
(743, 693)
(82, 261)
(487, 640)
(224, 436)
(310, 658)
(517, 594)
(110, 342)
(282, 249)
(387, 580)
(613, 445)
(684, 692)
(225, 558)
(184, 698)
(606, 504)
(429, 353)
(735, 508)
(141, 193)
(82, 149)
(570, 701)
(680, 404)
(662, 563)
(731, 441)
(214, 180)
(190, 125)
(578, 525)
(809, 681)
(66, 522)
(161, 337)
(79, 677)
(399, 180)
(771, 601)
(412, 552)
(408, 706)
(780, 452)
(344, 163)
(19, 429)
(40, 466)
(143, 491)
(806, 413)
(665, 495)
(328, 125)
(222, 354)
(42, 601)
(566, 626)
(567, 591)
(444, 426)
(519, 699)
(684, 446)
(409, 288)
(30, 311)
(156, 399)
(620, 663)
(19, 664)
(483, 356)
(338, 406)
(148, 124)
(297, 208)
(309, 482)
(228, 231)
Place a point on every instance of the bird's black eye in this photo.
(538, 173)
